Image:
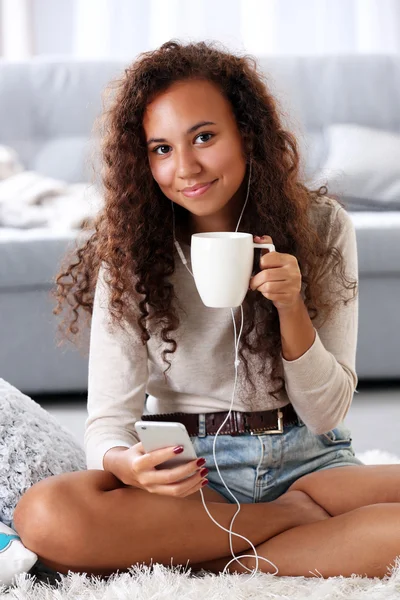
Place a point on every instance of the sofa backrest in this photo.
(317, 91)
(47, 111)
(48, 106)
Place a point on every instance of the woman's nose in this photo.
(187, 164)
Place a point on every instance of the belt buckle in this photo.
(271, 431)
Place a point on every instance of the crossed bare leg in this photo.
(362, 536)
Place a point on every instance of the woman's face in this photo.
(193, 139)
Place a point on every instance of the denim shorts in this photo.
(260, 468)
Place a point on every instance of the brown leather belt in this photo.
(256, 423)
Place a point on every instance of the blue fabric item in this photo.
(6, 539)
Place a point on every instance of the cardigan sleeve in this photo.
(320, 384)
(118, 374)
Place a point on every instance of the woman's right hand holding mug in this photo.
(137, 468)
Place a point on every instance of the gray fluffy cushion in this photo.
(33, 446)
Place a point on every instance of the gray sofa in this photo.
(47, 108)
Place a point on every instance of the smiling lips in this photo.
(197, 190)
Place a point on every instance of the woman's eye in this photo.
(159, 148)
(207, 135)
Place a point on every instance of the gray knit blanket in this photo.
(33, 446)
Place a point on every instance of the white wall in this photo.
(124, 28)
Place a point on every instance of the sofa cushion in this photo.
(378, 242)
(53, 104)
(66, 158)
(363, 163)
(31, 258)
(369, 204)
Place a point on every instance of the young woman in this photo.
(183, 129)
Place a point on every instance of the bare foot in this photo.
(305, 511)
(305, 508)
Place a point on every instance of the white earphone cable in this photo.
(236, 363)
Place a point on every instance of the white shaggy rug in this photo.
(159, 582)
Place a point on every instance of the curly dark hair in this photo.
(132, 235)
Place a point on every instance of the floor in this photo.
(373, 418)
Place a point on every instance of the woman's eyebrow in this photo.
(190, 130)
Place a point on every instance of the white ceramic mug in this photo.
(222, 263)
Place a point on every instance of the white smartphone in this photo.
(155, 435)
